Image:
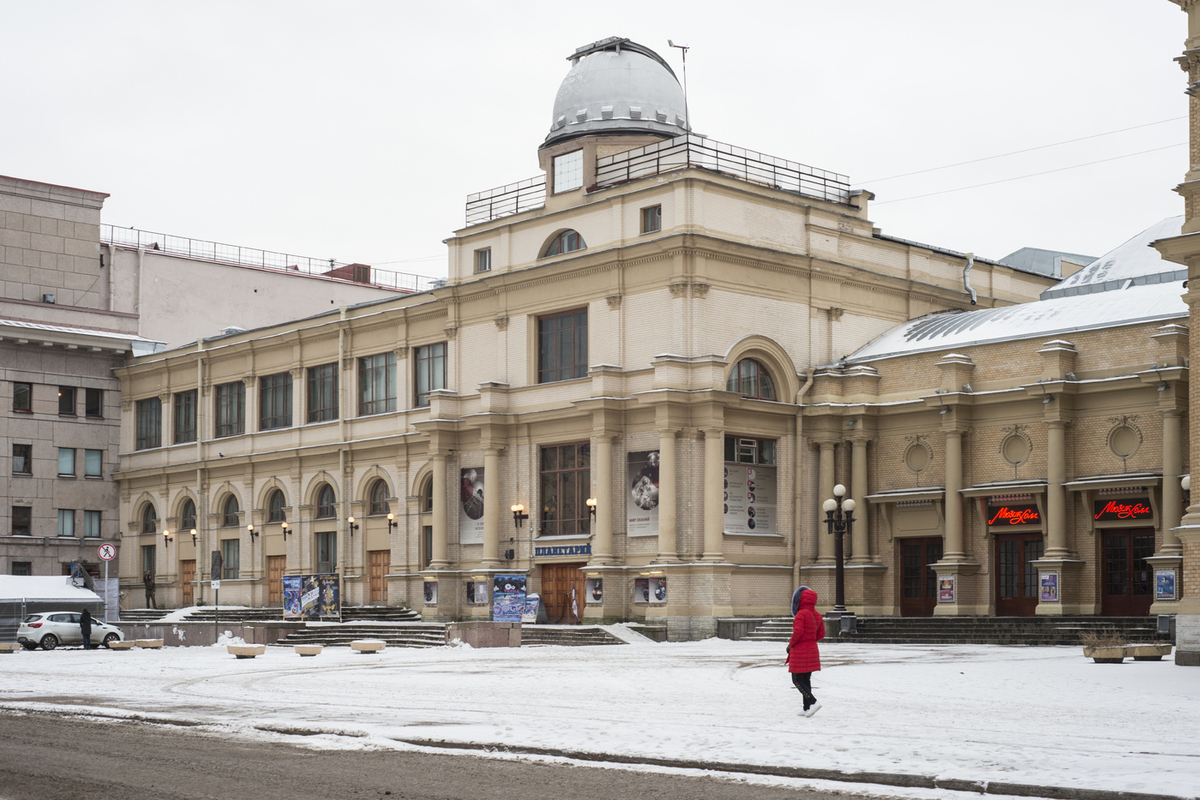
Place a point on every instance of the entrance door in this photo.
(187, 577)
(275, 568)
(918, 591)
(1128, 579)
(379, 564)
(1016, 576)
(558, 581)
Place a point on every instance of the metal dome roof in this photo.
(617, 86)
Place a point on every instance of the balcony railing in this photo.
(266, 259)
(505, 200)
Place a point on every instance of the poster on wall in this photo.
(477, 591)
(946, 589)
(508, 598)
(311, 597)
(749, 499)
(1049, 587)
(641, 590)
(1164, 584)
(470, 506)
(641, 502)
(595, 590)
(431, 593)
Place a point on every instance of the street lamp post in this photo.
(839, 516)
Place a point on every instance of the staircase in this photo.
(971, 630)
(396, 634)
(565, 635)
(136, 615)
(379, 614)
(234, 615)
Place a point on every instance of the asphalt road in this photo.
(51, 757)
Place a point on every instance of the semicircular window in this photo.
(565, 242)
(750, 378)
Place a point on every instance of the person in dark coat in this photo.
(804, 658)
(85, 627)
(148, 582)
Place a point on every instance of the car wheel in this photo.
(112, 637)
(49, 641)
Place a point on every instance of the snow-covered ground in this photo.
(1034, 715)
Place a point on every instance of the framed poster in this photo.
(595, 590)
(1164, 584)
(470, 506)
(947, 588)
(658, 590)
(431, 593)
(508, 598)
(641, 502)
(311, 597)
(1049, 581)
(477, 591)
(641, 590)
(749, 499)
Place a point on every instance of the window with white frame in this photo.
(483, 259)
(568, 172)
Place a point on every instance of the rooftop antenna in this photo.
(687, 114)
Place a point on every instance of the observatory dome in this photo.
(617, 86)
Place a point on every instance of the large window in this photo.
(426, 495)
(91, 524)
(229, 512)
(66, 462)
(231, 409)
(149, 423)
(563, 346)
(322, 393)
(431, 371)
(149, 559)
(742, 450)
(326, 552)
(566, 481)
(379, 497)
(22, 520)
(149, 519)
(93, 402)
(22, 459)
(326, 504)
(275, 507)
(66, 522)
(22, 397)
(565, 242)
(750, 378)
(66, 401)
(185, 416)
(377, 384)
(93, 463)
(568, 172)
(187, 516)
(231, 552)
(275, 401)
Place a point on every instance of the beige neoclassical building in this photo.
(626, 348)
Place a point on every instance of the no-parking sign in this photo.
(107, 552)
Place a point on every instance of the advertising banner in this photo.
(470, 506)
(749, 499)
(1049, 587)
(311, 597)
(595, 590)
(1164, 584)
(946, 589)
(641, 503)
(508, 598)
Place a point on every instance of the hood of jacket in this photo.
(808, 599)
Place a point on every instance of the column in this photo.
(859, 542)
(491, 507)
(1056, 501)
(667, 549)
(714, 493)
(602, 542)
(1172, 510)
(953, 550)
(825, 484)
(439, 549)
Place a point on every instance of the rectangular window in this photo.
(22, 520)
(568, 172)
(185, 416)
(22, 459)
(149, 559)
(322, 393)
(563, 346)
(93, 403)
(566, 483)
(66, 522)
(66, 401)
(22, 568)
(483, 260)
(431, 371)
(92, 461)
(231, 409)
(23, 397)
(91, 524)
(326, 552)
(149, 423)
(739, 450)
(275, 401)
(230, 553)
(377, 384)
(651, 219)
(66, 461)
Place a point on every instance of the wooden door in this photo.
(187, 577)
(558, 581)
(379, 564)
(918, 590)
(1128, 588)
(276, 565)
(1016, 576)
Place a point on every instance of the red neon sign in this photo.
(1107, 510)
(1014, 515)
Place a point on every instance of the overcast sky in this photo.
(355, 130)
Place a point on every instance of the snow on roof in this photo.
(44, 587)
(1134, 261)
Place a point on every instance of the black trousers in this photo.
(803, 682)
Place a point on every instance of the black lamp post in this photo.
(839, 516)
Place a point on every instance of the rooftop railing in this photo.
(266, 259)
(505, 200)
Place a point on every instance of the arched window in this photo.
(275, 507)
(325, 502)
(426, 495)
(187, 517)
(750, 378)
(149, 519)
(565, 242)
(229, 513)
(379, 495)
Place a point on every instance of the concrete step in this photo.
(565, 636)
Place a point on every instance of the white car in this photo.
(49, 629)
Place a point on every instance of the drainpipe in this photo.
(967, 276)
(798, 487)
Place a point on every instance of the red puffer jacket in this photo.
(807, 629)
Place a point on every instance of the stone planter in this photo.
(122, 645)
(368, 645)
(1105, 655)
(149, 644)
(1148, 652)
(9, 647)
(246, 650)
(307, 650)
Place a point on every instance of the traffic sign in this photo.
(107, 552)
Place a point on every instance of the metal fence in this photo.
(265, 259)
(505, 200)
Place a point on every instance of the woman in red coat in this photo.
(803, 656)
